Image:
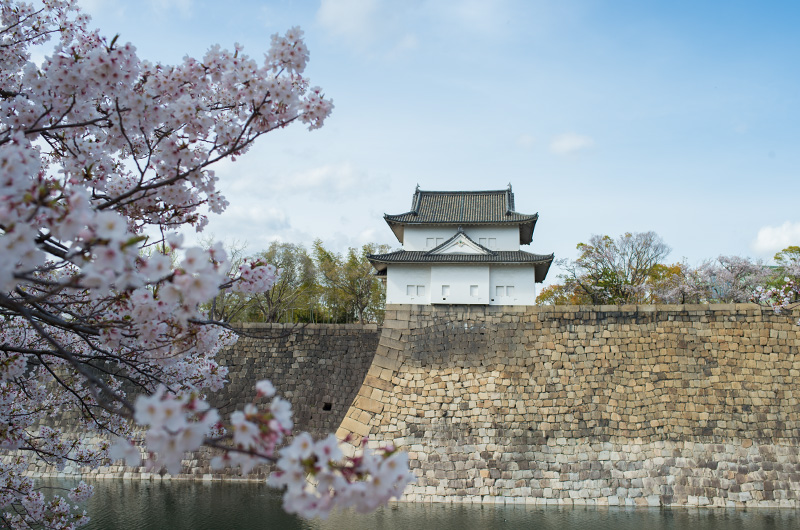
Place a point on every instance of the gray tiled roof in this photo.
(464, 208)
(540, 262)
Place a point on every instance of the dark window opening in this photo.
(327, 406)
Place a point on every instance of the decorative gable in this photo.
(460, 244)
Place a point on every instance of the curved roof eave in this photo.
(526, 227)
(540, 262)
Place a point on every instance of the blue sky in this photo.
(679, 117)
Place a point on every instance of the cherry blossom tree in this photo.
(783, 291)
(613, 271)
(104, 158)
(733, 279)
(683, 284)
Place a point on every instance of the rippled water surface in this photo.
(201, 506)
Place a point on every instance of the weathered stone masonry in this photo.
(318, 367)
(644, 405)
(647, 405)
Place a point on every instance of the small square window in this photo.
(429, 242)
(420, 290)
(500, 291)
(482, 241)
(510, 290)
(410, 290)
(473, 291)
(439, 241)
(445, 290)
(492, 242)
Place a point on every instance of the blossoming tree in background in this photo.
(103, 158)
(783, 292)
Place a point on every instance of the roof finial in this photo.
(509, 186)
(417, 187)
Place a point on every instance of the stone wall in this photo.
(631, 405)
(318, 367)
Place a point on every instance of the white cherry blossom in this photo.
(104, 159)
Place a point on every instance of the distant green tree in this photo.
(228, 306)
(567, 293)
(786, 271)
(788, 262)
(618, 271)
(295, 295)
(350, 289)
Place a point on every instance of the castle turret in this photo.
(462, 247)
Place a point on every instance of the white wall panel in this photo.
(421, 237)
(400, 277)
(416, 237)
(465, 284)
(522, 281)
(505, 237)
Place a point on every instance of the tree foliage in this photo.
(630, 270)
(103, 157)
(351, 288)
(733, 279)
(320, 287)
(788, 262)
(296, 291)
(612, 271)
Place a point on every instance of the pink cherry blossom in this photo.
(265, 388)
(104, 159)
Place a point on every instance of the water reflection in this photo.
(201, 506)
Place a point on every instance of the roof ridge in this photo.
(469, 207)
(462, 191)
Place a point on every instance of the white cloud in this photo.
(568, 143)
(330, 180)
(408, 42)
(373, 27)
(352, 20)
(479, 15)
(162, 7)
(476, 17)
(257, 214)
(370, 235)
(119, 10)
(775, 238)
(93, 7)
(526, 140)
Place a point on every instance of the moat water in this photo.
(200, 506)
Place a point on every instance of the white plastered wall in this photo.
(417, 237)
(460, 284)
(506, 237)
(399, 278)
(521, 280)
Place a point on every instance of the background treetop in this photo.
(631, 269)
(321, 286)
